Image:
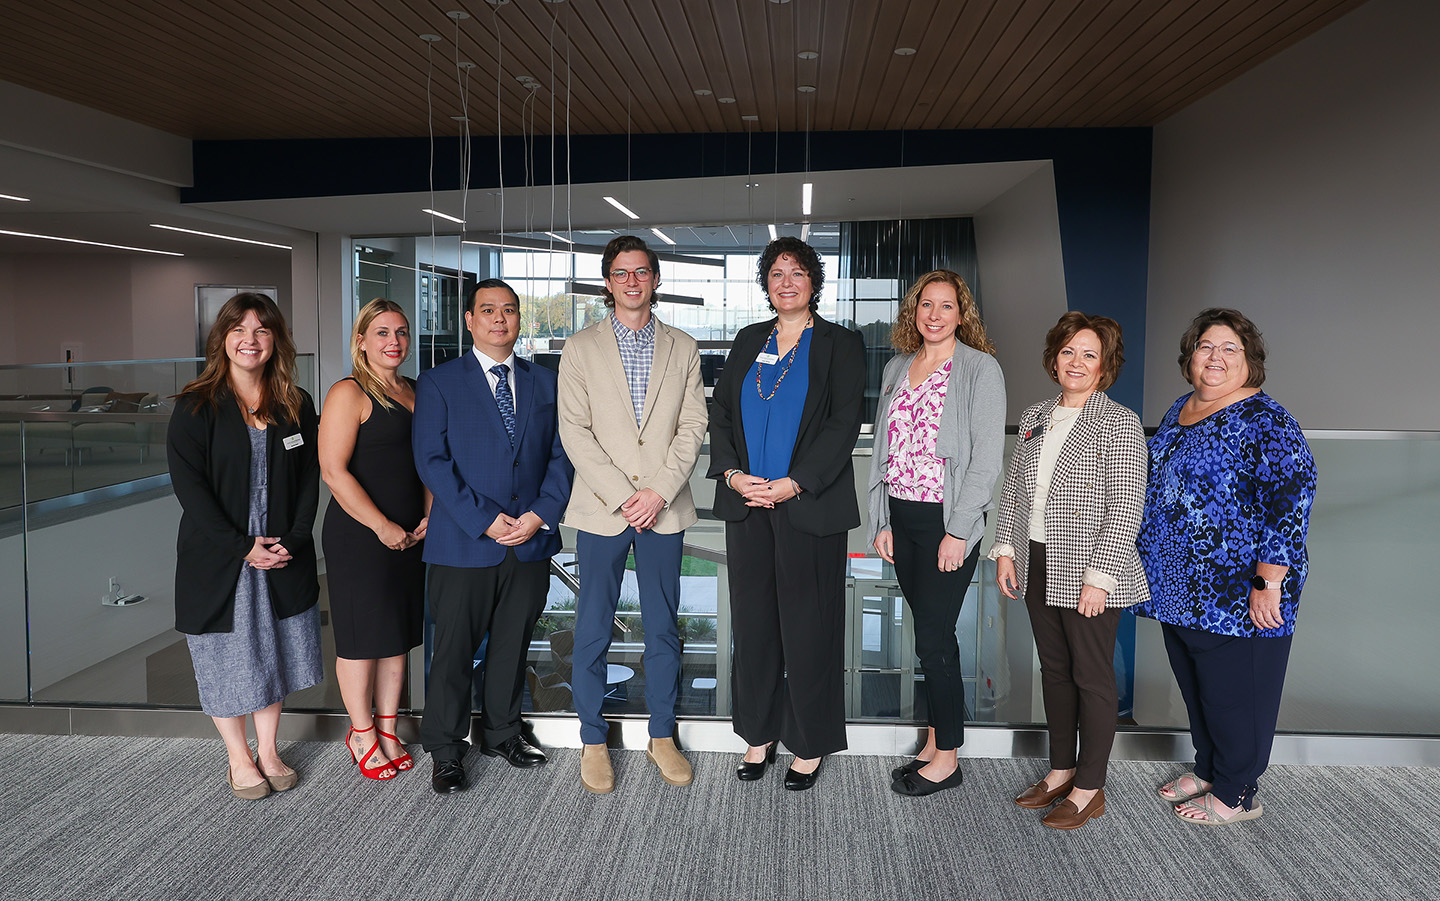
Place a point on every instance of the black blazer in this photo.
(829, 424)
(209, 453)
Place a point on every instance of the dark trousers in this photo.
(1077, 678)
(787, 602)
(466, 604)
(934, 598)
(602, 569)
(1231, 688)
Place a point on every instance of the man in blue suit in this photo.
(488, 448)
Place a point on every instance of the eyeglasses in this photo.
(1228, 351)
(641, 275)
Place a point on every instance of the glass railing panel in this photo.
(14, 685)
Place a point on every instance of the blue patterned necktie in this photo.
(504, 399)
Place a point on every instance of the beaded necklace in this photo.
(794, 351)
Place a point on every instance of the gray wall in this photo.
(1305, 194)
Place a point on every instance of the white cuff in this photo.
(1001, 550)
(1097, 579)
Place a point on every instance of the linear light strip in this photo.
(621, 207)
(14, 197)
(806, 192)
(663, 237)
(191, 231)
(168, 253)
(773, 233)
(559, 237)
(446, 216)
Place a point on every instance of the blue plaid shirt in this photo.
(637, 354)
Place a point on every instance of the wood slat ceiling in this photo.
(233, 69)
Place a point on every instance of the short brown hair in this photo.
(905, 337)
(1244, 329)
(804, 254)
(1112, 344)
(624, 244)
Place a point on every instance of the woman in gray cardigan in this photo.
(939, 444)
(1065, 538)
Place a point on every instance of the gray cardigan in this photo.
(971, 441)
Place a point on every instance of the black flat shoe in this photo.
(749, 772)
(916, 785)
(448, 777)
(798, 782)
(900, 771)
(517, 752)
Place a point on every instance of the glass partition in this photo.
(1362, 661)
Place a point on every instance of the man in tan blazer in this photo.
(632, 420)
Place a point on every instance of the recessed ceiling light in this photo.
(663, 237)
(808, 54)
(904, 51)
(459, 14)
(14, 197)
(524, 78)
(460, 118)
(773, 233)
(621, 207)
(806, 190)
(168, 253)
(429, 38)
(191, 231)
(467, 65)
(703, 92)
(806, 89)
(752, 184)
(445, 216)
(726, 99)
(751, 118)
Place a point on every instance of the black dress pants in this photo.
(787, 602)
(934, 598)
(1077, 678)
(466, 603)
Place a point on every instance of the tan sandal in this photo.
(1170, 792)
(1213, 817)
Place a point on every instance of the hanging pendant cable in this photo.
(433, 295)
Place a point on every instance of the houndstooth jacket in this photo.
(1092, 514)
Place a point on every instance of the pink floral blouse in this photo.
(914, 472)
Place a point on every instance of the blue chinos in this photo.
(602, 568)
(1231, 686)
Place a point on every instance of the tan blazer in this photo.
(614, 457)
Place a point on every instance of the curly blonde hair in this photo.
(905, 337)
(362, 371)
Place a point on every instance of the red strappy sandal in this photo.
(404, 761)
(380, 772)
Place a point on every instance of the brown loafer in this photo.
(1067, 816)
(1038, 796)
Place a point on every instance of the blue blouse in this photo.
(1225, 493)
(771, 426)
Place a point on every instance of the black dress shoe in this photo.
(798, 782)
(448, 777)
(900, 771)
(517, 752)
(915, 785)
(749, 772)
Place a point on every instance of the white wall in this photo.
(1022, 283)
(162, 296)
(1305, 193)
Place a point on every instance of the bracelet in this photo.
(730, 474)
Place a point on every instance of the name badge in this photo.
(293, 442)
(768, 359)
(1036, 432)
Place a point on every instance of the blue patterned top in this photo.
(1225, 493)
(772, 426)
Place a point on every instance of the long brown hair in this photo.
(280, 397)
(361, 370)
(905, 337)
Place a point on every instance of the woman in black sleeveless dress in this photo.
(372, 534)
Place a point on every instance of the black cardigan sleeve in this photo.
(189, 452)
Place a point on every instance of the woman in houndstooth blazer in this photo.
(1065, 537)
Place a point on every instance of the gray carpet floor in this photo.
(92, 818)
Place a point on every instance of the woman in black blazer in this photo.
(241, 447)
(785, 418)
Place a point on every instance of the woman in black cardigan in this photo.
(785, 418)
(241, 447)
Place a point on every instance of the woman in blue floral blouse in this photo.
(1223, 544)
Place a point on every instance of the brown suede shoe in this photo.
(1067, 816)
(1038, 796)
(674, 768)
(596, 773)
